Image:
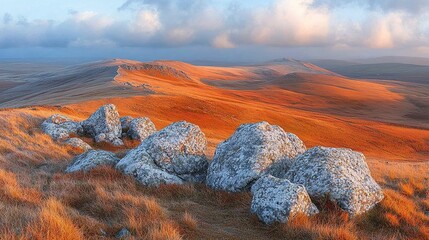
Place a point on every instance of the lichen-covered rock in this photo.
(339, 173)
(278, 200)
(248, 153)
(140, 165)
(78, 143)
(104, 125)
(125, 123)
(91, 159)
(173, 155)
(60, 127)
(141, 128)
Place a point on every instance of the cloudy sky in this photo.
(218, 30)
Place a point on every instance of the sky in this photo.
(213, 30)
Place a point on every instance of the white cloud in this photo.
(222, 41)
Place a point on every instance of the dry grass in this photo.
(39, 201)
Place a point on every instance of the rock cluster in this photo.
(104, 125)
(283, 176)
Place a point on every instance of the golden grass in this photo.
(39, 201)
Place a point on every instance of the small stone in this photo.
(123, 234)
(78, 143)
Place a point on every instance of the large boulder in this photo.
(248, 153)
(60, 127)
(78, 143)
(141, 128)
(339, 173)
(175, 155)
(91, 159)
(104, 125)
(278, 200)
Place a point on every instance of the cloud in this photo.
(275, 23)
(414, 6)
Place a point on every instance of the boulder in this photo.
(278, 200)
(174, 155)
(91, 159)
(60, 127)
(78, 143)
(125, 123)
(139, 164)
(339, 173)
(104, 125)
(248, 153)
(141, 128)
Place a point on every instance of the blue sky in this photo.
(229, 30)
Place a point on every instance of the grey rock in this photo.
(138, 163)
(78, 143)
(339, 173)
(91, 159)
(125, 123)
(249, 153)
(173, 155)
(141, 128)
(60, 127)
(278, 200)
(123, 234)
(104, 125)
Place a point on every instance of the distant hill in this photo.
(386, 71)
(395, 59)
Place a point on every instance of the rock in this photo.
(60, 127)
(123, 234)
(174, 155)
(339, 173)
(139, 164)
(104, 125)
(125, 123)
(276, 199)
(141, 128)
(91, 159)
(248, 153)
(78, 143)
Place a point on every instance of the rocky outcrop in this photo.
(248, 153)
(341, 174)
(173, 155)
(278, 200)
(92, 159)
(141, 128)
(78, 143)
(60, 127)
(104, 125)
(125, 123)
